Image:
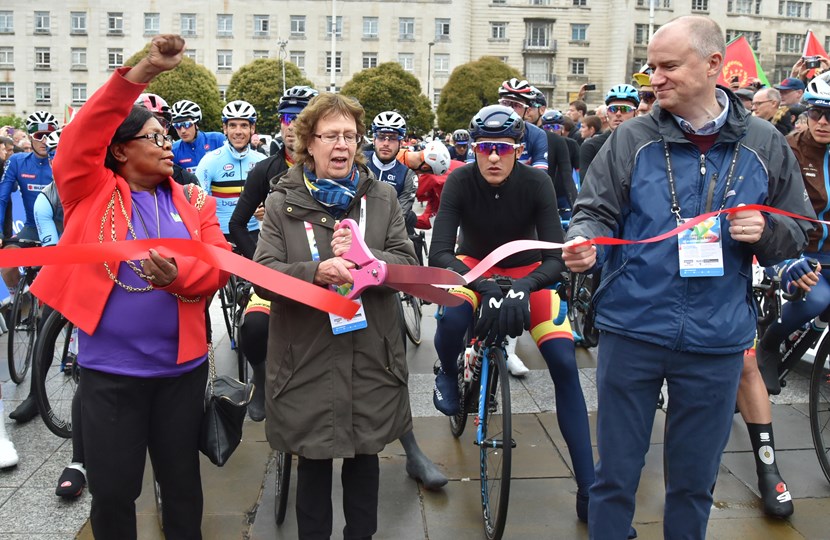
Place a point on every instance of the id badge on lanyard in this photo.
(341, 325)
(701, 250)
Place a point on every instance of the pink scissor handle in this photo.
(369, 271)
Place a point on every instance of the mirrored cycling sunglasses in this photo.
(287, 118)
(648, 97)
(501, 148)
(815, 114)
(552, 127)
(182, 125)
(40, 135)
(513, 104)
(625, 109)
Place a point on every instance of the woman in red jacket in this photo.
(142, 337)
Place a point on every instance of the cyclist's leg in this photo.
(254, 339)
(449, 343)
(8, 454)
(556, 343)
(360, 477)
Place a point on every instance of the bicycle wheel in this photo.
(581, 314)
(228, 301)
(56, 374)
(411, 317)
(22, 330)
(283, 475)
(820, 406)
(241, 363)
(459, 421)
(495, 446)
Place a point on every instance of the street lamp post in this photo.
(283, 55)
(429, 74)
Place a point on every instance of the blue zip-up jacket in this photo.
(29, 172)
(188, 155)
(223, 173)
(626, 194)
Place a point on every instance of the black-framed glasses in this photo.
(815, 114)
(759, 103)
(625, 109)
(158, 138)
(331, 138)
(182, 125)
(287, 118)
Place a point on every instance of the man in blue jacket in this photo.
(680, 310)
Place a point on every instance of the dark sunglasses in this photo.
(180, 125)
(501, 148)
(648, 97)
(287, 118)
(625, 109)
(815, 114)
(552, 127)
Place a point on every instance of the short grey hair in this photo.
(771, 94)
(705, 35)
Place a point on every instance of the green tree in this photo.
(260, 84)
(188, 81)
(389, 88)
(470, 87)
(15, 121)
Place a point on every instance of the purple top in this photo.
(139, 331)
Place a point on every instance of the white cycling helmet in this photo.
(389, 121)
(41, 121)
(437, 157)
(296, 99)
(239, 110)
(817, 93)
(52, 140)
(460, 136)
(518, 89)
(186, 110)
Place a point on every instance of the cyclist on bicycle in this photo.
(460, 145)
(521, 97)
(494, 201)
(223, 172)
(388, 130)
(193, 143)
(156, 105)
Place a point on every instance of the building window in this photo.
(298, 26)
(436, 96)
(190, 53)
(262, 25)
(798, 10)
(538, 35)
(498, 1)
(754, 38)
(370, 27)
(298, 59)
(641, 35)
(223, 93)
(261, 54)
(406, 28)
(77, 20)
(579, 32)
(337, 62)
(115, 58)
(666, 4)
(152, 24)
(442, 63)
(789, 43)
(224, 25)
(6, 57)
(78, 93)
(7, 26)
(498, 30)
(370, 60)
(744, 7)
(188, 24)
(78, 55)
(442, 29)
(43, 93)
(538, 70)
(338, 31)
(539, 2)
(224, 60)
(43, 58)
(700, 5)
(407, 61)
(580, 3)
(43, 22)
(115, 24)
(576, 66)
(7, 92)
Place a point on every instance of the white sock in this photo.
(78, 466)
(2, 422)
(511, 345)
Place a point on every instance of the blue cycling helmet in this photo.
(497, 121)
(623, 92)
(539, 99)
(552, 116)
(817, 93)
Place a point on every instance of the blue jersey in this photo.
(535, 152)
(31, 174)
(188, 155)
(222, 174)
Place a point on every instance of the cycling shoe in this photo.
(775, 495)
(445, 394)
(26, 411)
(71, 482)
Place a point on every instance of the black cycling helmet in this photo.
(497, 121)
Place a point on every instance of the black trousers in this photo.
(124, 417)
(361, 479)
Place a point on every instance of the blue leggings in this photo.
(795, 314)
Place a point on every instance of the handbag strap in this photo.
(211, 367)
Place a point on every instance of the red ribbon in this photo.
(277, 282)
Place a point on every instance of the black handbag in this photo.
(226, 403)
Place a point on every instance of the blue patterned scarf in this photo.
(335, 194)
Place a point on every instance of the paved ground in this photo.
(239, 496)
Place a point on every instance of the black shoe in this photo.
(775, 495)
(768, 362)
(71, 483)
(25, 411)
(256, 408)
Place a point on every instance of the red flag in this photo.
(812, 47)
(68, 112)
(740, 61)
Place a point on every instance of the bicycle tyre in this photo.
(157, 498)
(496, 447)
(411, 317)
(819, 406)
(459, 421)
(283, 481)
(241, 364)
(56, 375)
(22, 330)
(228, 301)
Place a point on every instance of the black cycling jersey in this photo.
(588, 151)
(522, 208)
(560, 168)
(184, 177)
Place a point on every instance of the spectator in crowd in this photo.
(746, 95)
(591, 125)
(766, 105)
(791, 90)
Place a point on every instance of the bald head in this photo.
(704, 34)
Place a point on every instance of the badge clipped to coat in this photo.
(701, 249)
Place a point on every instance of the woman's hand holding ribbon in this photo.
(160, 271)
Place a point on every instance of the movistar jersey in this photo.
(31, 174)
(223, 173)
(535, 152)
(188, 155)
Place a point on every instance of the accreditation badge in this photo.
(701, 249)
(341, 325)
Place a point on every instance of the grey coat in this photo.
(333, 396)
